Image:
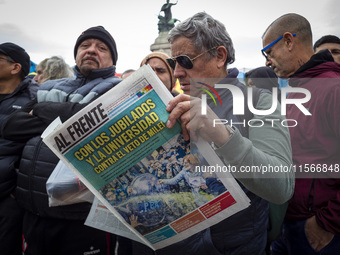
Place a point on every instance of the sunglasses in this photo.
(184, 61)
(271, 45)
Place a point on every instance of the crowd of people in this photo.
(201, 48)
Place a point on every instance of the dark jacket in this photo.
(265, 78)
(316, 143)
(55, 98)
(9, 150)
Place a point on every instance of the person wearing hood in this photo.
(157, 61)
(312, 224)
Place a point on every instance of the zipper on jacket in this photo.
(32, 172)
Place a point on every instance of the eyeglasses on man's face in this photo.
(271, 45)
(8, 60)
(184, 61)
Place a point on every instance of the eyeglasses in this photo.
(271, 45)
(184, 61)
(11, 61)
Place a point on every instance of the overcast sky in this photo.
(46, 28)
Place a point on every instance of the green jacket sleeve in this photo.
(264, 161)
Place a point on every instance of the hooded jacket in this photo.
(62, 97)
(316, 143)
(10, 150)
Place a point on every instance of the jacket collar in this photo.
(98, 73)
(24, 84)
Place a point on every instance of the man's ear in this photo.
(289, 40)
(16, 68)
(221, 56)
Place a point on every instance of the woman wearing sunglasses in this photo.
(201, 49)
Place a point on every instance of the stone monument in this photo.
(165, 24)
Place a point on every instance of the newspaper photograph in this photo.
(143, 172)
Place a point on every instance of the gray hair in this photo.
(56, 68)
(205, 32)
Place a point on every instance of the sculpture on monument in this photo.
(166, 22)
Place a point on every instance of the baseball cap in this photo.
(18, 54)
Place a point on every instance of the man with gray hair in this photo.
(312, 224)
(201, 48)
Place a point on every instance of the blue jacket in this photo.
(10, 150)
(62, 97)
(80, 90)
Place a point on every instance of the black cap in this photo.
(101, 34)
(18, 54)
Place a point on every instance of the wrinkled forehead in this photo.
(182, 46)
(94, 40)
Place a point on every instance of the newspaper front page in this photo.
(144, 173)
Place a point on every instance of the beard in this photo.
(87, 65)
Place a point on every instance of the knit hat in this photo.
(162, 56)
(101, 34)
(18, 54)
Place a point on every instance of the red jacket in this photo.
(316, 144)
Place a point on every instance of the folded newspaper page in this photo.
(143, 172)
(102, 218)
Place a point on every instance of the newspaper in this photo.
(102, 218)
(143, 172)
